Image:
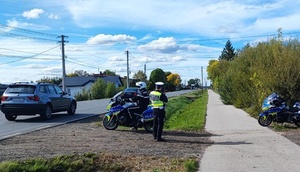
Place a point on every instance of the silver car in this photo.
(27, 98)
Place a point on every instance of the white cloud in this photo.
(115, 58)
(286, 23)
(178, 58)
(111, 39)
(162, 45)
(33, 14)
(210, 18)
(54, 16)
(14, 23)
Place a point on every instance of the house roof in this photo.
(112, 79)
(83, 80)
(78, 81)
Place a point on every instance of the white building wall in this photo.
(74, 90)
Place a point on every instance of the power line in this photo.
(18, 33)
(81, 63)
(87, 53)
(23, 58)
(18, 36)
(28, 31)
(27, 52)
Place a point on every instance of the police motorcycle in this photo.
(275, 109)
(118, 114)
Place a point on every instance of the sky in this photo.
(180, 37)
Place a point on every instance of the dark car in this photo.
(27, 98)
(130, 93)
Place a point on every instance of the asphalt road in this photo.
(242, 145)
(25, 124)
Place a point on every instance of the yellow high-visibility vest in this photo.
(155, 99)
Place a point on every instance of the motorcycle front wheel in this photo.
(297, 123)
(148, 126)
(265, 120)
(110, 123)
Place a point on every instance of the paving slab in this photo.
(242, 145)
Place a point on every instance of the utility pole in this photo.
(63, 61)
(202, 77)
(127, 54)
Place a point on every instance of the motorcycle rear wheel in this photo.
(265, 120)
(148, 126)
(297, 123)
(110, 123)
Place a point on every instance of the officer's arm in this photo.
(164, 98)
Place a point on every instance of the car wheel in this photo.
(72, 108)
(47, 112)
(10, 117)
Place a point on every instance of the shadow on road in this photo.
(59, 117)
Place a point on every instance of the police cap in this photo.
(159, 84)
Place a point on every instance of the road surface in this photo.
(242, 145)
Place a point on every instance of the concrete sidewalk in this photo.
(242, 145)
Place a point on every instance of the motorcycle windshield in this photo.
(117, 95)
(267, 102)
(113, 100)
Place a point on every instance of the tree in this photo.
(157, 75)
(173, 81)
(78, 73)
(54, 80)
(228, 52)
(98, 89)
(212, 71)
(141, 76)
(109, 72)
(196, 82)
(167, 73)
(110, 90)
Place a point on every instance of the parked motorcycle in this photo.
(275, 109)
(118, 115)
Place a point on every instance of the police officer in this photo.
(143, 96)
(158, 101)
(142, 103)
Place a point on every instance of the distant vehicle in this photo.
(192, 86)
(27, 98)
(2, 88)
(130, 93)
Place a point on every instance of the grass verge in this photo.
(187, 112)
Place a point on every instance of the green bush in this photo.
(256, 72)
(110, 90)
(84, 95)
(98, 89)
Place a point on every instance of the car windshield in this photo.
(131, 90)
(25, 89)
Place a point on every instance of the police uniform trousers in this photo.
(158, 123)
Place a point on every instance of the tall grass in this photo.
(187, 112)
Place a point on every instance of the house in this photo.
(75, 85)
